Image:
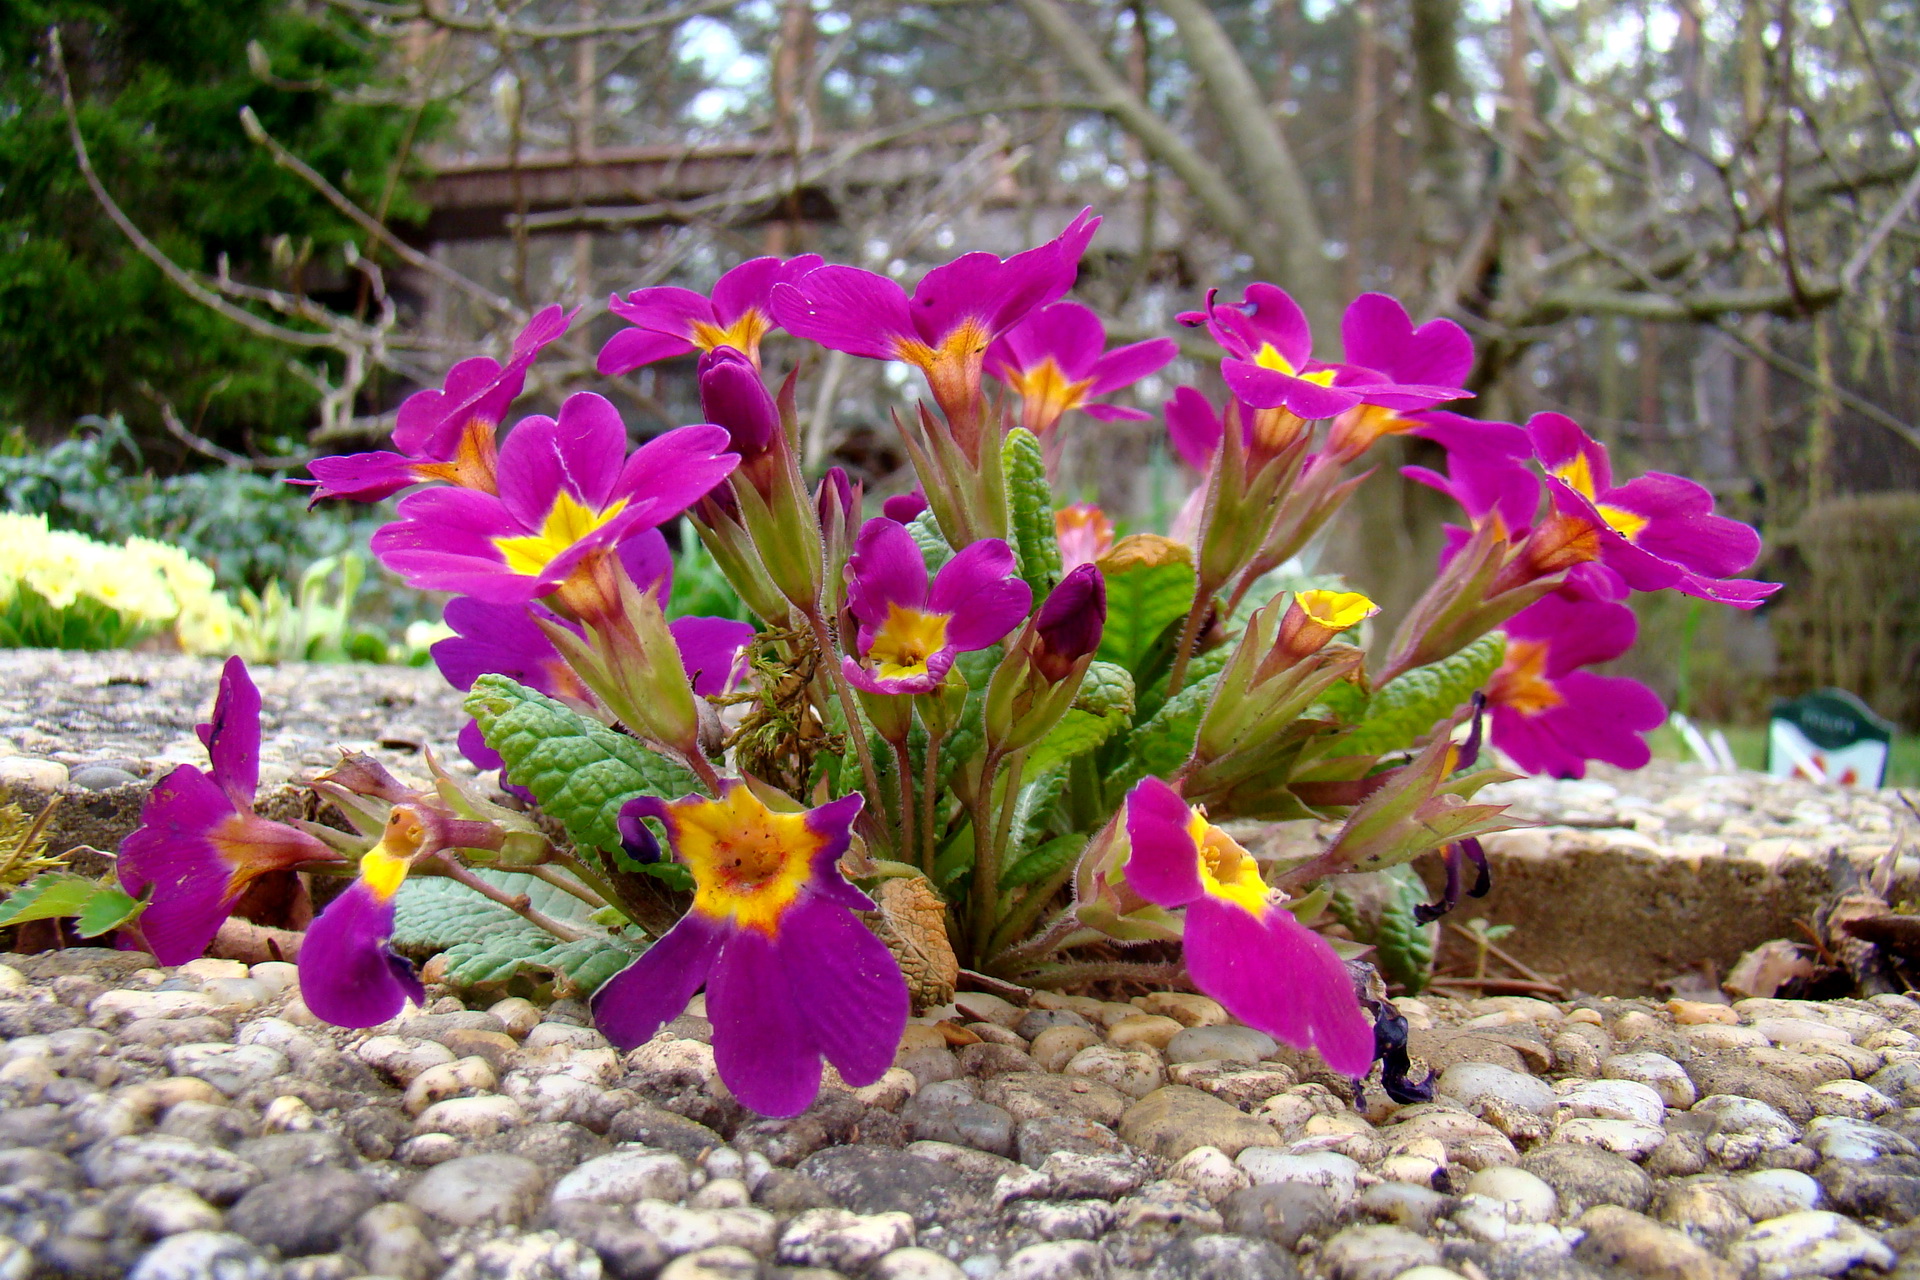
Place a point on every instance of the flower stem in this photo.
(518, 903)
(876, 798)
(1021, 918)
(566, 882)
(1189, 636)
(1074, 974)
(930, 802)
(903, 772)
(988, 845)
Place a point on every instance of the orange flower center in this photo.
(1521, 682)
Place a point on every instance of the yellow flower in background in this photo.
(145, 585)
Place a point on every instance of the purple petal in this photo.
(833, 824)
(749, 286)
(674, 470)
(1115, 413)
(1577, 633)
(849, 984)
(733, 396)
(1741, 593)
(1194, 428)
(846, 309)
(1124, 366)
(665, 309)
(648, 561)
(427, 421)
(905, 508)
(348, 975)
(1682, 528)
(580, 454)
(631, 349)
(763, 1043)
(1275, 319)
(886, 568)
(1378, 334)
(1164, 865)
(635, 1003)
(1066, 332)
(361, 477)
(980, 596)
(1271, 389)
(1275, 974)
(713, 651)
(1559, 443)
(170, 853)
(473, 745)
(938, 664)
(233, 737)
(496, 639)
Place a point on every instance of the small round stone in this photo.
(472, 1190)
(1529, 1198)
(1212, 1043)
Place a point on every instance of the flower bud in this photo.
(836, 500)
(733, 396)
(1314, 618)
(1070, 622)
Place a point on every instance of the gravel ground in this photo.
(198, 1123)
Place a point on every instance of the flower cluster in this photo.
(936, 694)
(51, 579)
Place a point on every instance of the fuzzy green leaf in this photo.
(1036, 548)
(1403, 712)
(933, 544)
(579, 770)
(1077, 733)
(1107, 690)
(487, 945)
(1163, 743)
(1142, 601)
(97, 906)
(1380, 911)
(1043, 862)
(1032, 808)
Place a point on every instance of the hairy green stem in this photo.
(903, 773)
(823, 639)
(930, 802)
(1189, 636)
(1073, 974)
(1021, 918)
(518, 903)
(567, 883)
(986, 861)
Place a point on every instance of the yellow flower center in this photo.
(567, 522)
(742, 335)
(1521, 682)
(906, 640)
(1227, 871)
(748, 862)
(1268, 357)
(1578, 476)
(1045, 393)
(382, 872)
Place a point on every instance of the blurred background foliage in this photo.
(1693, 226)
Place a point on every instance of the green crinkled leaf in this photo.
(1163, 743)
(1077, 733)
(1043, 862)
(1403, 947)
(1406, 710)
(1036, 547)
(579, 770)
(487, 945)
(1106, 690)
(1142, 601)
(1032, 807)
(96, 906)
(933, 544)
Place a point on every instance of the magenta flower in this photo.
(792, 975)
(1056, 361)
(507, 640)
(349, 975)
(910, 631)
(955, 314)
(564, 496)
(1242, 947)
(1551, 716)
(905, 507)
(1487, 468)
(1270, 363)
(1657, 531)
(1385, 351)
(199, 843)
(670, 321)
(445, 434)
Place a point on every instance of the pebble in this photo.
(626, 1176)
(471, 1190)
(1056, 1260)
(216, 1175)
(230, 1068)
(1134, 1073)
(1656, 1071)
(203, 1255)
(1208, 1042)
(841, 1239)
(303, 1213)
(1583, 1176)
(1339, 1174)
(914, 1263)
(1527, 1198)
(1376, 1253)
(1173, 1120)
(1470, 1083)
(1813, 1242)
(1618, 1237)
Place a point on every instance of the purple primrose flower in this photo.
(445, 434)
(1056, 361)
(349, 976)
(564, 496)
(669, 321)
(199, 842)
(1551, 716)
(1270, 363)
(1657, 531)
(792, 975)
(1243, 948)
(955, 314)
(910, 631)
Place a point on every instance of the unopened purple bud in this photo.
(1070, 622)
(834, 500)
(732, 396)
(905, 507)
